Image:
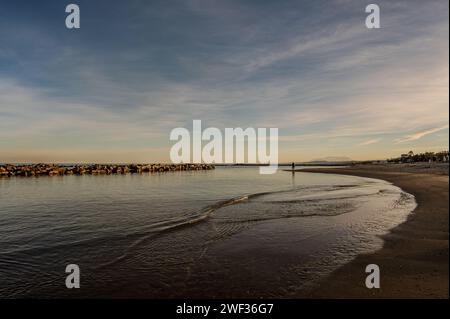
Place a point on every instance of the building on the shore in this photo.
(430, 157)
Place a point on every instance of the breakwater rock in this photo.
(94, 169)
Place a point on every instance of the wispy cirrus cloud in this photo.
(419, 135)
(369, 142)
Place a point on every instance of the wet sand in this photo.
(414, 261)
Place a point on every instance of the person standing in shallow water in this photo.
(293, 165)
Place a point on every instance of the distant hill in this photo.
(333, 159)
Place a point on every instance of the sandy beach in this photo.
(414, 259)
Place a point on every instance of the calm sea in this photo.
(228, 232)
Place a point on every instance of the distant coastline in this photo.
(289, 164)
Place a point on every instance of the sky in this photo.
(113, 90)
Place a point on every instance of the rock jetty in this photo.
(7, 170)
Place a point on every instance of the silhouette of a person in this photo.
(293, 165)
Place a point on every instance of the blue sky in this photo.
(113, 90)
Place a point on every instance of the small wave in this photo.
(203, 214)
(167, 226)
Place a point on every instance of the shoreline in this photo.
(414, 258)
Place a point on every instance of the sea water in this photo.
(228, 232)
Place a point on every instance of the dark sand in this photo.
(414, 261)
